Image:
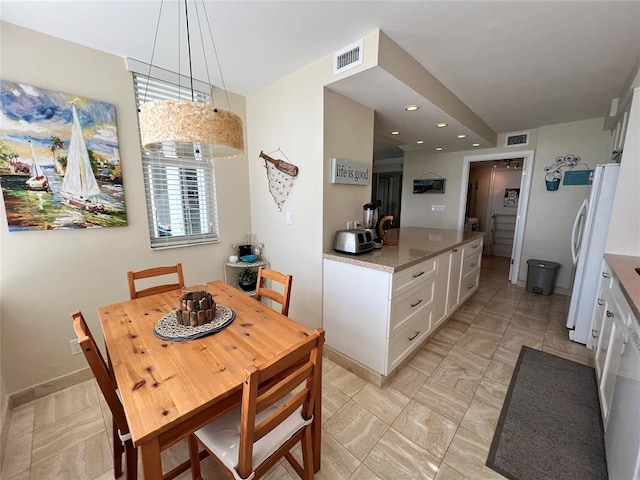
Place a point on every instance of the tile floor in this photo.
(435, 420)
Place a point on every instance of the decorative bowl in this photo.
(249, 258)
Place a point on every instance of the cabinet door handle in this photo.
(606, 275)
(475, 246)
(414, 335)
(470, 287)
(594, 333)
(416, 304)
(609, 314)
(473, 265)
(600, 302)
(455, 249)
(416, 275)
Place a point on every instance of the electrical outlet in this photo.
(289, 218)
(74, 346)
(438, 208)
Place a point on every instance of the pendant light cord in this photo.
(153, 51)
(215, 51)
(186, 14)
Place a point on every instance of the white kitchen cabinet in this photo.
(616, 322)
(454, 279)
(378, 318)
(441, 293)
(600, 328)
(465, 272)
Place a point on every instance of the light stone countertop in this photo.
(624, 268)
(415, 245)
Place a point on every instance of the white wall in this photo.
(550, 214)
(48, 274)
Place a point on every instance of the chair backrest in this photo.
(299, 366)
(155, 272)
(100, 371)
(281, 298)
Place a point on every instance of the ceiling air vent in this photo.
(348, 57)
(516, 139)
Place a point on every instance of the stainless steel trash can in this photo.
(541, 276)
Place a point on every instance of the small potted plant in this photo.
(247, 279)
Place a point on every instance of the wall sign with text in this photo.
(352, 173)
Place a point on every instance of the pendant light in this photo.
(186, 126)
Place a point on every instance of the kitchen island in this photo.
(379, 307)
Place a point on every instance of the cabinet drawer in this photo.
(471, 262)
(405, 280)
(469, 283)
(473, 247)
(618, 305)
(408, 338)
(405, 307)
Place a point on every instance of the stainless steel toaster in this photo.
(354, 241)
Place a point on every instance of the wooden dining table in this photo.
(169, 389)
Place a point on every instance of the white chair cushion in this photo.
(222, 437)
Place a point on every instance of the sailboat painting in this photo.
(59, 160)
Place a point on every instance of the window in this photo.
(179, 185)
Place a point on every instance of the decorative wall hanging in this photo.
(348, 172)
(429, 185)
(554, 173)
(280, 175)
(59, 161)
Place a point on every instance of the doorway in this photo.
(496, 190)
(387, 191)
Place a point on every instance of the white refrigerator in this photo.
(588, 240)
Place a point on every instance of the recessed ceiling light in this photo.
(420, 142)
(395, 133)
(476, 144)
(462, 135)
(441, 125)
(439, 149)
(411, 108)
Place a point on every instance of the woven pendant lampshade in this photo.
(190, 128)
(180, 124)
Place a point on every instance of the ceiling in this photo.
(516, 64)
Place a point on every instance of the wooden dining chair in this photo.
(155, 272)
(122, 442)
(121, 437)
(276, 413)
(281, 298)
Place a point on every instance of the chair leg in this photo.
(132, 460)
(194, 457)
(307, 454)
(118, 450)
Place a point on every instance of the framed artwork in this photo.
(429, 185)
(59, 160)
(511, 197)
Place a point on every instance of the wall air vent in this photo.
(348, 57)
(516, 139)
(409, 147)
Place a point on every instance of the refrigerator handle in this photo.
(577, 230)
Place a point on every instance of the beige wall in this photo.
(48, 274)
(624, 229)
(289, 115)
(348, 135)
(550, 214)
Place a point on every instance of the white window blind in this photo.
(179, 185)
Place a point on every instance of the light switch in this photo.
(289, 218)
